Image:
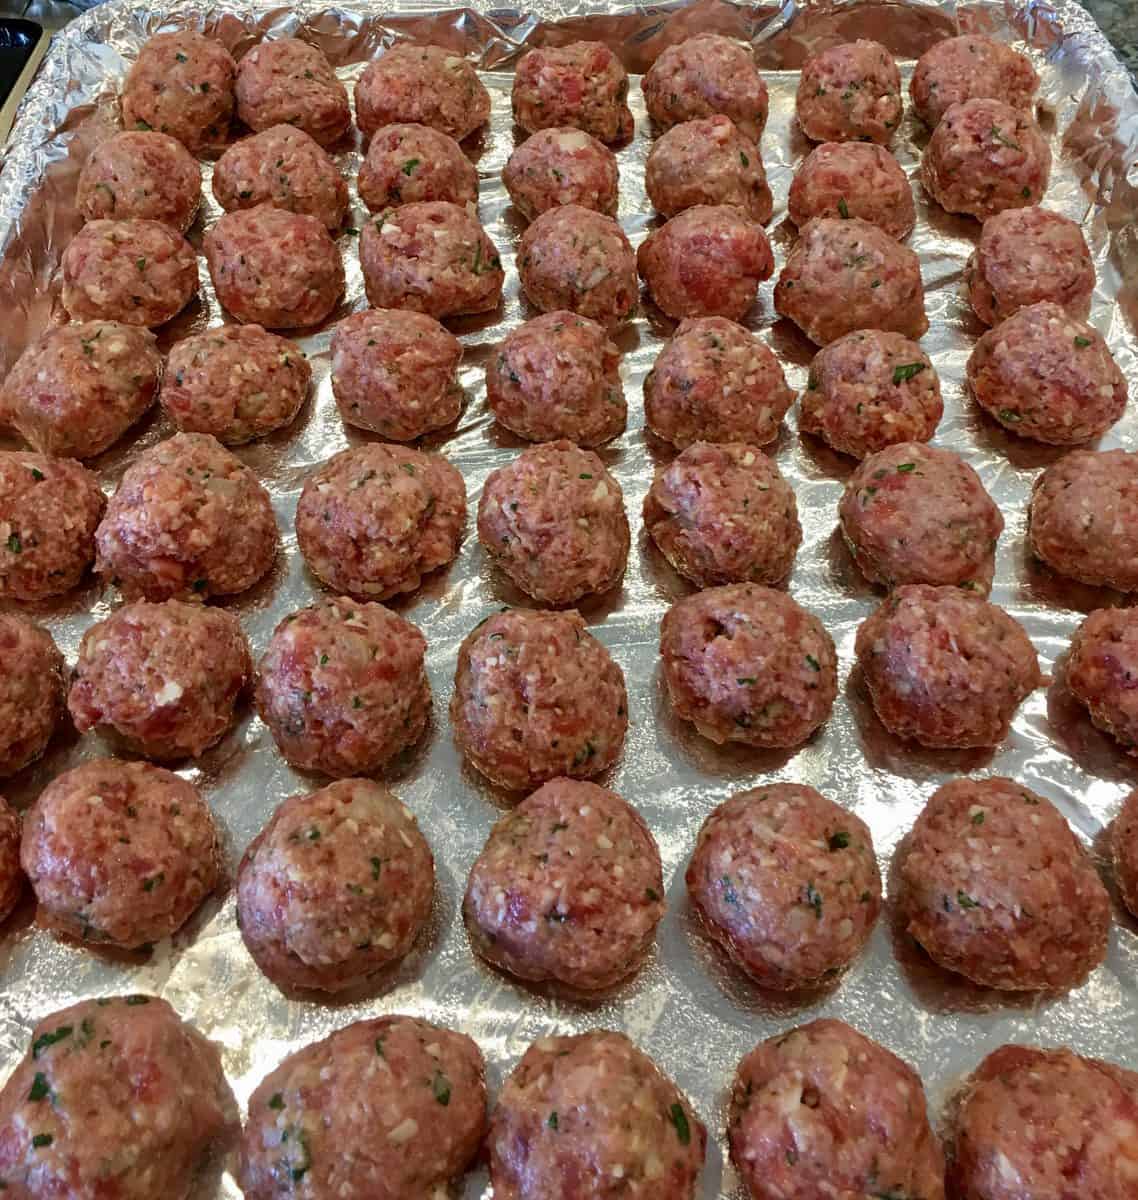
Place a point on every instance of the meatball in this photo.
(236, 382)
(393, 372)
(165, 678)
(724, 514)
(431, 257)
(569, 887)
(582, 85)
(786, 882)
(337, 886)
(984, 157)
(945, 668)
(288, 82)
(913, 513)
(388, 1108)
(715, 382)
(868, 390)
(79, 387)
(748, 664)
(188, 518)
(1124, 851)
(1101, 670)
(424, 85)
(343, 687)
(284, 167)
(536, 696)
(562, 166)
(147, 176)
(11, 874)
(576, 259)
(850, 93)
(853, 179)
(406, 164)
(373, 520)
(136, 272)
(274, 268)
(115, 1097)
(825, 1111)
(967, 68)
(119, 854)
(703, 76)
(31, 692)
(182, 85)
(577, 1112)
(845, 275)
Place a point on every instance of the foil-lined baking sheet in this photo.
(693, 1013)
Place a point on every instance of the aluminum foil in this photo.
(694, 1014)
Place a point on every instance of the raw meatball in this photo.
(406, 164)
(77, 389)
(724, 514)
(188, 518)
(119, 854)
(335, 887)
(536, 696)
(283, 167)
(1124, 851)
(984, 157)
(844, 275)
(703, 76)
(853, 179)
(1048, 376)
(706, 262)
(32, 688)
(274, 268)
(748, 664)
(913, 513)
(115, 1097)
(426, 85)
(49, 508)
(136, 272)
(707, 162)
(578, 1112)
(944, 667)
(182, 85)
(1101, 671)
(394, 372)
(11, 874)
(431, 257)
(850, 93)
(715, 382)
(164, 677)
(236, 381)
(967, 68)
(582, 84)
(995, 886)
(562, 166)
(388, 1108)
(343, 687)
(288, 82)
(824, 1111)
(576, 259)
(148, 176)
(373, 520)
(568, 887)
(787, 883)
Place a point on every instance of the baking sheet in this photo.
(693, 1013)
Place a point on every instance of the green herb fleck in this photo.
(652, 894)
(181, 57)
(906, 468)
(843, 209)
(49, 1039)
(814, 899)
(813, 663)
(906, 371)
(978, 817)
(1082, 342)
(839, 840)
(39, 1087)
(148, 885)
(1001, 137)
(409, 166)
(680, 1121)
(440, 1085)
(276, 1100)
(37, 474)
(135, 1001)
(14, 543)
(552, 1122)
(744, 159)
(1008, 414)
(966, 901)
(42, 1139)
(746, 680)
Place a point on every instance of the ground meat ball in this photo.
(11, 875)
(1124, 851)
(337, 886)
(119, 854)
(148, 176)
(116, 1097)
(824, 1111)
(343, 687)
(582, 85)
(373, 520)
(849, 93)
(31, 692)
(1101, 671)
(845, 275)
(188, 518)
(164, 677)
(967, 68)
(724, 514)
(561, 166)
(406, 164)
(77, 389)
(536, 696)
(853, 179)
(944, 667)
(288, 82)
(748, 664)
(388, 1108)
(578, 1112)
